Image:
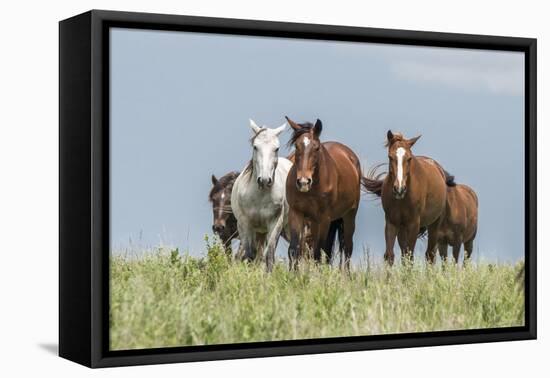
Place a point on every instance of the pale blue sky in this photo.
(180, 104)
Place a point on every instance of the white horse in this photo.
(258, 197)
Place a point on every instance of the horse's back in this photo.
(344, 157)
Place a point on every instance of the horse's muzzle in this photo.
(265, 182)
(304, 184)
(399, 193)
(218, 228)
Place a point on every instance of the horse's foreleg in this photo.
(443, 250)
(248, 243)
(468, 248)
(433, 235)
(319, 231)
(456, 251)
(349, 230)
(390, 233)
(272, 240)
(411, 236)
(260, 246)
(403, 240)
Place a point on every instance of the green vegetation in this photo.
(165, 299)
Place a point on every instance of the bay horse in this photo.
(335, 229)
(224, 222)
(414, 194)
(258, 196)
(323, 190)
(459, 225)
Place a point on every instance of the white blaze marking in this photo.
(400, 153)
(306, 141)
(222, 205)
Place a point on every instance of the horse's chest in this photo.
(400, 213)
(311, 206)
(261, 213)
(262, 209)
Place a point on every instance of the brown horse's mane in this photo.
(305, 128)
(223, 182)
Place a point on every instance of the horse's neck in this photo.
(326, 166)
(416, 171)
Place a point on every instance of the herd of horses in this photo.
(312, 196)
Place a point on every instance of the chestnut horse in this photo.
(224, 222)
(414, 194)
(459, 225)
(323, 189)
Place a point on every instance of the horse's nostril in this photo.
(298, 182)
(309, 181)
(259, 180)
(269, 181)
(218, 228)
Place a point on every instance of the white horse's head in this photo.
(265, 145)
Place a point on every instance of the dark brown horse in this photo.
(459, 225)
(323, 189)
(414, 194)
(224, 222)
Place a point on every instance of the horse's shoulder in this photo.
(341, 153)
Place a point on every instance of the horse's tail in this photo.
(373, 181)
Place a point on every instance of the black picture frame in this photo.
(84, 187)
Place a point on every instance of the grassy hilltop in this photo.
(164, 299)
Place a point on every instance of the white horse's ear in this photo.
(280, 129)
(255, 128)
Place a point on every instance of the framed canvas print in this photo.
(236, 188)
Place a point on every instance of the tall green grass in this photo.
(164, 299)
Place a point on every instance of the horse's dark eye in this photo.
(276, 150)
(255, 148)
